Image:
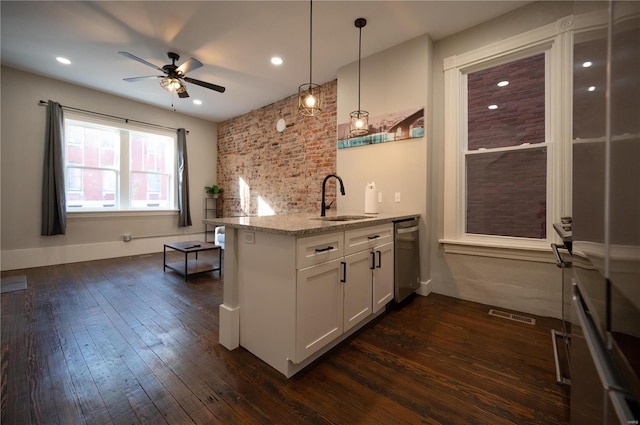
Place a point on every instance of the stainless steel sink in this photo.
(342, 218)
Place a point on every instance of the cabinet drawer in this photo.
(318, 249)
(367, 237)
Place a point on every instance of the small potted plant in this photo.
(213, 190)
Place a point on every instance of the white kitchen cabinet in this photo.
(301, 296)
(383, 276)
(357, 288)
(366, 283)
(319, 307)
(366, 238)
(373, 247)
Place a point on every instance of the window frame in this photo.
(555, 40)
(122, 202)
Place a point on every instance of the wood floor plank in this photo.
(121, 341)
(16, 402)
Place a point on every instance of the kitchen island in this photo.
(297, 285)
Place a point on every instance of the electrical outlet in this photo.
(397, 197)
(250, 237)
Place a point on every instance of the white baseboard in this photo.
(48, 256)
(425, 288)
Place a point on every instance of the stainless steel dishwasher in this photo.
(406, 258)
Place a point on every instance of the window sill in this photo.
(533, 252)
(119, 213)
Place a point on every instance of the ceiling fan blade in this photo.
(135, 58)
(189, 65)
(148, 77)
(183, 94)
(205, 84)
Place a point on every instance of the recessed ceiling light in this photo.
(63, 60)
(503, 83)
(587, 64)
(197, 102)
(276, 60)
(493, 106)
(592, 88)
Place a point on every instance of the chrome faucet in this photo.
(323, 207)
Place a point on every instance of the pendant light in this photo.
(359, 120)
(310, 94)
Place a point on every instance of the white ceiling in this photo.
(233, 39)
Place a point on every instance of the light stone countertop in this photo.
(305, 224)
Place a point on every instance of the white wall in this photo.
(526, 286)
(393, 80)
(88, 236)
(410, 75)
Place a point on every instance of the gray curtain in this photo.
(54, 202)
(184, 216)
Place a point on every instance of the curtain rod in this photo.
(127, 120)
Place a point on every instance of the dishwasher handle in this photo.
(407, 230)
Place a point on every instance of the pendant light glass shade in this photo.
(172, 85)
(310, 99)
(359, 120)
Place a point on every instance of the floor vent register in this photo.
(511, 316)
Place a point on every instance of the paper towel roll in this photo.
(371, 199)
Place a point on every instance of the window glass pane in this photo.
(149, 190)
(89, 188)
(151, 152)
(506, 193)
(108, 156)
(507, 104)
(74, 180)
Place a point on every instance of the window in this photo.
(506, 152)
(118, 168)
(507, 142)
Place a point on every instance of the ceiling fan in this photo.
(173, 74)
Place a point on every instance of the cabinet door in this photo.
(319, 309)
(382, 276)
(357, 288)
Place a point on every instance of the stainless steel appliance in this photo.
(562, 339)
(406, 258)
(605, 329)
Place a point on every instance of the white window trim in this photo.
(556, 40)
(124, 209)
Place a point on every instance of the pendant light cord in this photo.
(359, 61)
(310, 39)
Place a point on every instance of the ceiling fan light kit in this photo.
(359, 120)
(310, 98)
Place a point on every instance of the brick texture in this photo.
(259, 167)
(506, 191)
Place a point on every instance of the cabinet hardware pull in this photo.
(344, 272)
(373, 260)
(379, 259)
(329, 248)
(373, 237)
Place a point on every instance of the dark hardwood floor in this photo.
(120, 342)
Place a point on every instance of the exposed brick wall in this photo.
(285, 170)
(520, 114)
(506, 192)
